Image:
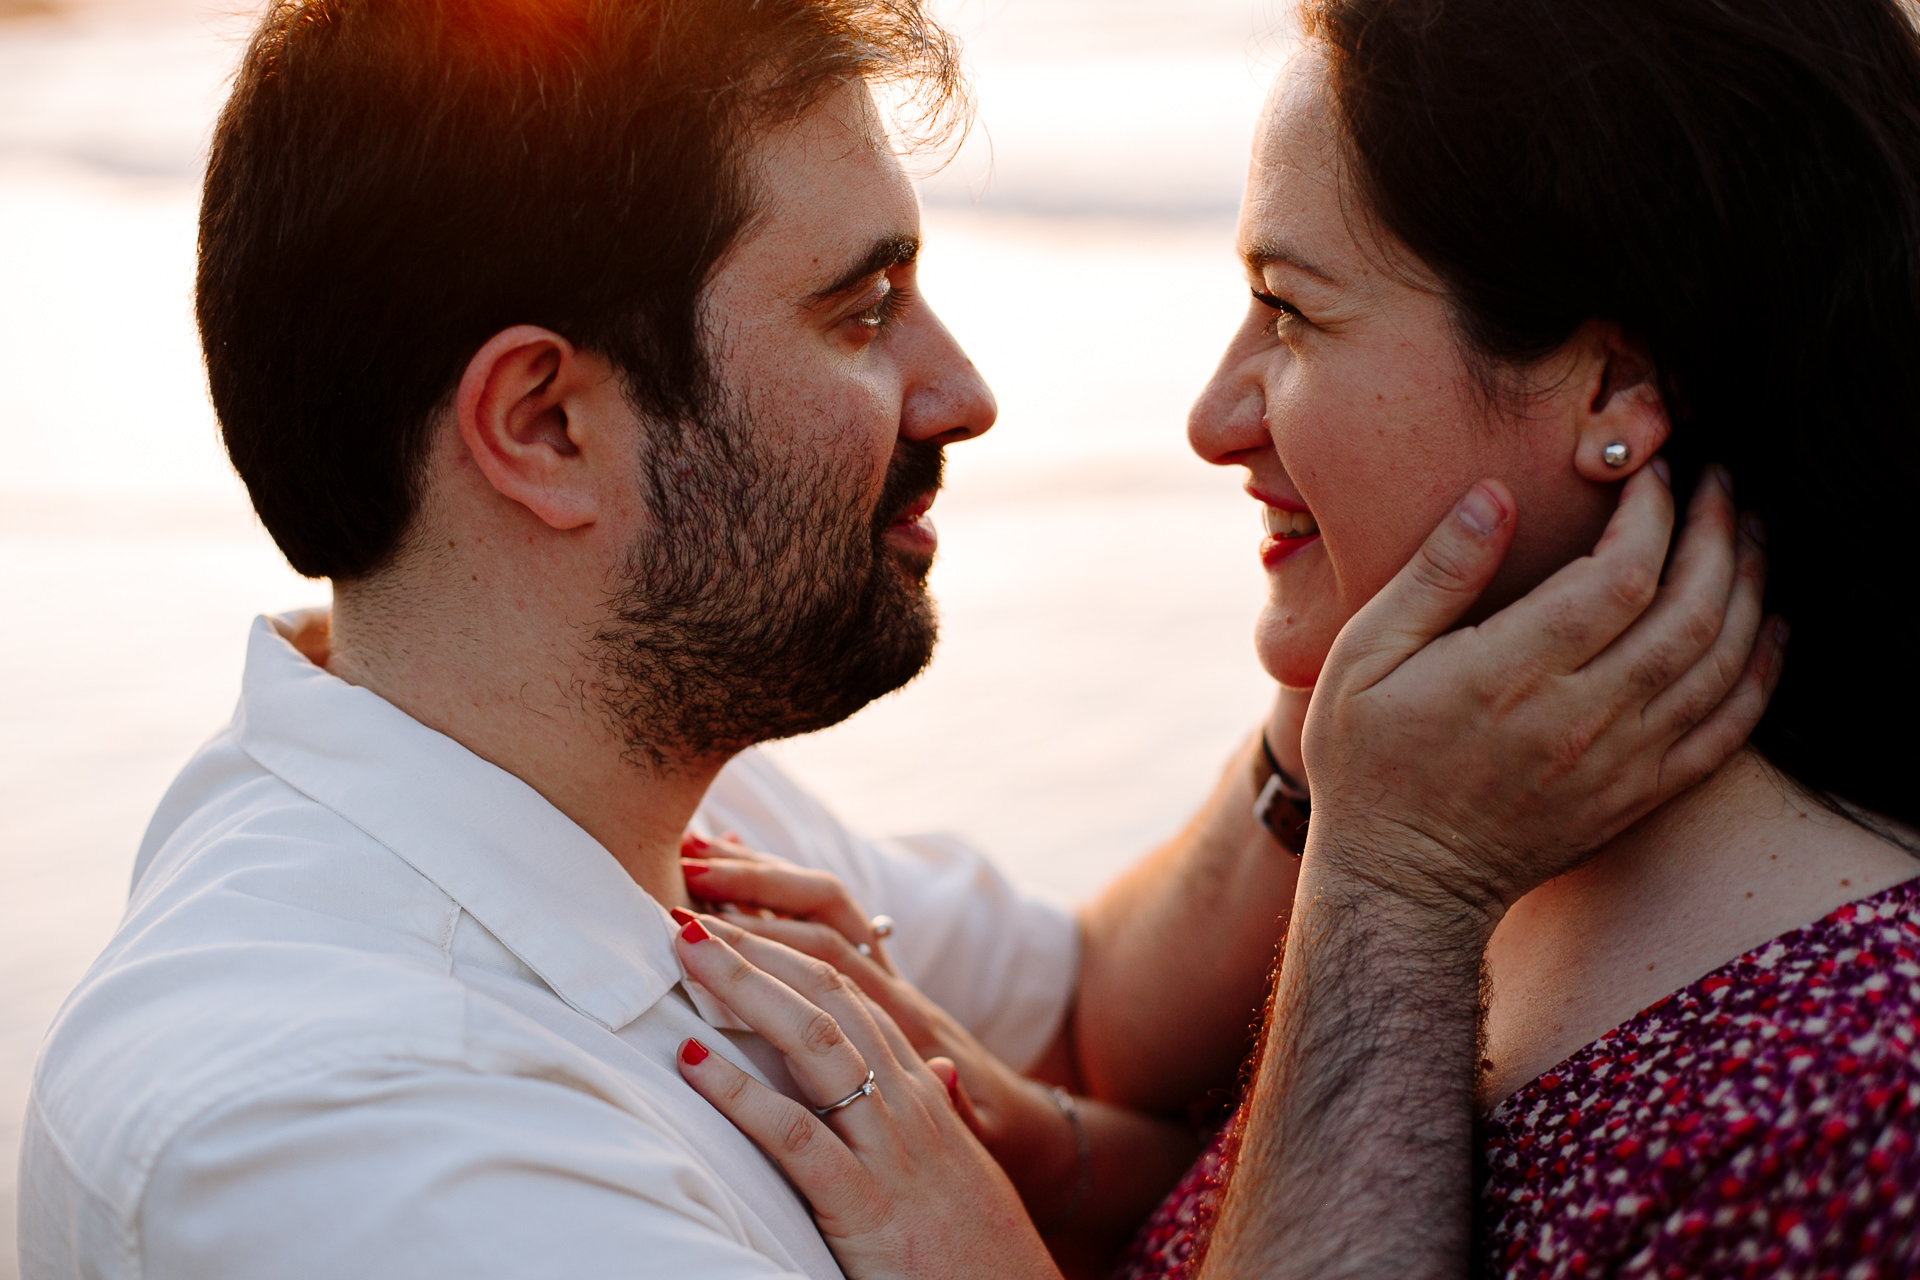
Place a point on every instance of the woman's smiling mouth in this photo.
(1288, 533)
(1289, 524)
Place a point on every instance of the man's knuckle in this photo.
(1442, 568)
(1567, 624)
(1702, 622)
(1654, 670)
(1693, 708)
(1633, 586)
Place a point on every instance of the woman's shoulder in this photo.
(1780, 1091)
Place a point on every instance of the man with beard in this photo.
(578, 345)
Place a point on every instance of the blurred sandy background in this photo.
(1097, 582)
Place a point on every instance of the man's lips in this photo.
(914, 510)
(911, 530)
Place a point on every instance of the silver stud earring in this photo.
(1616, 454)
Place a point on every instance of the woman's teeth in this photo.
(1288, 524)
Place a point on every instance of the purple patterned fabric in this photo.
(1761, 1122)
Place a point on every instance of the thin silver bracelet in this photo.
(1083, 1161)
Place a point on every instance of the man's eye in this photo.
(879, 317)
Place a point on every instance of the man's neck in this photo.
(510, 690)
(1714, 873)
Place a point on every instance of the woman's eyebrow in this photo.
(1262, 253)
(884, 254)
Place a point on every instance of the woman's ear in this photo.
(1621, 415)
(526, 406)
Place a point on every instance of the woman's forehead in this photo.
(1294, 185)
(1301, 191)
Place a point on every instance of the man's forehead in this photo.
(834, 199)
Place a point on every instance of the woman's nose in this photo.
(1230, 417)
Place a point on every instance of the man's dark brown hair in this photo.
(395, 181)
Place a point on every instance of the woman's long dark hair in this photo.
(1738, 183)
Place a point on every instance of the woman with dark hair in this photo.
(1563, 246)
(1701, 219)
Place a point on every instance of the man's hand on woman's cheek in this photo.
(1461, 770)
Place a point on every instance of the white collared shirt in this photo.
(377, 1009)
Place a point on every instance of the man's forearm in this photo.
(1357, 1157)
(1178, 955)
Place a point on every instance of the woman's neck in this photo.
(1737, 860)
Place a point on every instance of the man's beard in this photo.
(763, 602)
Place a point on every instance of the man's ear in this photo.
(1619, 402)
(527, 404)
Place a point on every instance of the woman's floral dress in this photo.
(1761, 1122)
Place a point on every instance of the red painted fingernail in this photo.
(692, 869)
(693, 1053)
(694, 842)
(695, 932)
(680, 914)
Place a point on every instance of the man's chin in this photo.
(915, 569)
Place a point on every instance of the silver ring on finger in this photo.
(867, 1086)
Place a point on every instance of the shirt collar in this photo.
(549, 891)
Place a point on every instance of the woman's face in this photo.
(1345, 396)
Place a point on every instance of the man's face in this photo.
(780, 583)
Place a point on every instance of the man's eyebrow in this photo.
(1261, 253)
(886, 253)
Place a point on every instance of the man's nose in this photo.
(949, 401)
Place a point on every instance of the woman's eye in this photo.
(1283, 311)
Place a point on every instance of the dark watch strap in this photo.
(1281, 805)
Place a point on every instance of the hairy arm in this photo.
(1358, 1155)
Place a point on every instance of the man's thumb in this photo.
(1446, 575)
